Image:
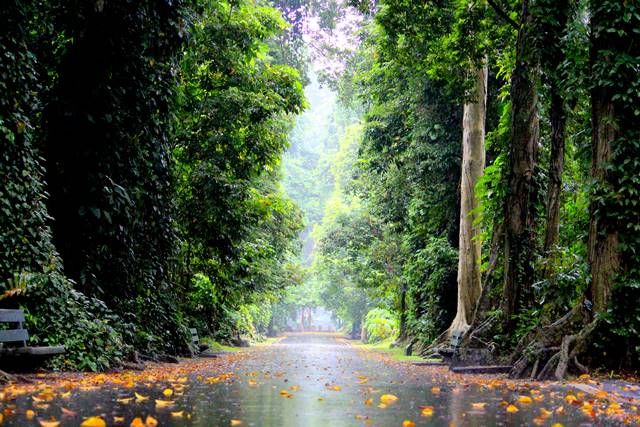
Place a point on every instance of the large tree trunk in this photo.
(552, 33)
(604, 259)
(603, 243)
(473, 159)
(519, 204)
(556, 167)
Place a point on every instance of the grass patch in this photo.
(396, 353)
(216, 346)
(266, 341)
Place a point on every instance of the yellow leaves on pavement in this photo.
(368, 402)
(512, 409)
(93, 422)
(137, 422)
(426, 411)
(570, 398)
(140, 398)
(164, 403)
(526, 400)
(167, 392)
(435, 390)
(408, 423)
(388, 399)
(478, 406)
(285, 393)
(49, 423)
(235, 423)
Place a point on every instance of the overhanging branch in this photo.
(503, 14)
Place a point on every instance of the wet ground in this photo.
(305, 380)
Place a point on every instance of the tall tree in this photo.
(613, 229)
(473, 159)
(519, 205)
(554, 22)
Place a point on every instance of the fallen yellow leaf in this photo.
(141, 398)
(150, 421)
(118, 420)
(177, 414)
(408, 423)
(167, 392)
(235, 422)
(478, 406)
(30, 414)
(570, 398)
(93, 422)
(512, 408)
(435, 390)
(163, 403)
(388, 399)
(368, 402)
(525, 400)
(426, 411)
(125, 400)
(544, 413)
(45, 423)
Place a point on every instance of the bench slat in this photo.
(43, 351)
(11, 315)
(14, 335)
(32, 351)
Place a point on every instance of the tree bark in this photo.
(402, 334)
(556, 167)
(473, 160)
(519, 204)
(552, 32)
(604, 259)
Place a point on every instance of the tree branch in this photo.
(503, 14)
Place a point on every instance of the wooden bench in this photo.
(14, 338)
(201, 349)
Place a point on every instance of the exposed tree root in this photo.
(6, 377)
(555, 347)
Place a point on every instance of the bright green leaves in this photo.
(232, 125)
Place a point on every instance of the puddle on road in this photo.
(307, 380)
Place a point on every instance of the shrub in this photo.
(56, 314)
(380, 324)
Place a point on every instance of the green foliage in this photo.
(380, 325)
(56, 314)
(615, 199)
(236, 227)
(431, 281)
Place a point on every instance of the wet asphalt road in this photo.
(315, 380)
